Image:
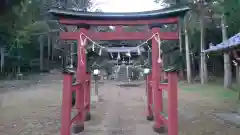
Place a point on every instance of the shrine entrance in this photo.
(152, 37)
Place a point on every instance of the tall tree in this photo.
(226, 56)
(221, 8)
(187, 52)
(203, 69)
(20, 22)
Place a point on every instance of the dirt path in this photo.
(35, 110)
(121, 113)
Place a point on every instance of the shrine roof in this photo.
(173, 11)
(124, 49)
(231, 43)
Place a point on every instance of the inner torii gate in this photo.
(154, 19)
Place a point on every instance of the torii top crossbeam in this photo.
(163, 16)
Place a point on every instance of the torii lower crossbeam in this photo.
(119, 35)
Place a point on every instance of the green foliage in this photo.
(232, 13)
(211, 11)
(26, 22)
(18, 23)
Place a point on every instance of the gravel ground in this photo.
(34, 109)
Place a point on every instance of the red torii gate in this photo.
(154, 88)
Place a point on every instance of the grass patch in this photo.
(211, 90)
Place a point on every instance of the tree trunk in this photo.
(49, 49)
(237, 58)
(203, 69)
(71, 55)
(188, 60)
(238, 80)
(226, 55)
(237, 74)
(70, 28)
(180, 45)
(41, 52)
(2, 57)
(54, 40)
(96, 86)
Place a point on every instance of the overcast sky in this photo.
(126, 5)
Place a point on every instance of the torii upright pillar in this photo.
(156, 73)
(86, 76)
(82, 94)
